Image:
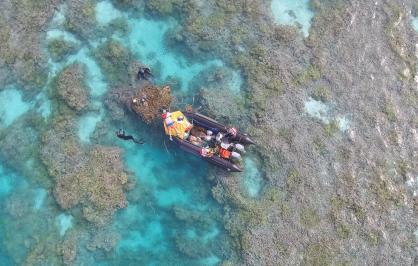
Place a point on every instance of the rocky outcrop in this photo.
(148, 102)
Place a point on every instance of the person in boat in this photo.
(121, 134)
(168, 120)
(207, 152)
(232, 133)
(196, 140)
(144, 73)
(209, 138)
(188, 128)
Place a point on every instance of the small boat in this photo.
(178, 126)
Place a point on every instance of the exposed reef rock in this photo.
(71, 87)
(149, 102)
(93, 179)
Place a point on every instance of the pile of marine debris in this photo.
(148, 102)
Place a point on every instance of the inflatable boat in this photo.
(178, 126)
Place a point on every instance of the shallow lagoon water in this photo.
(11, 106)
(293, 12)
(253, 180)
(414, 22)
(146, 40)
(322, 112)
(171, 213)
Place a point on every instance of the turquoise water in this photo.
(146, 40)
(414, 22)
(253, 180)
(317, 109)
(171, 217)
(294, 13)
(323, 112)
(11, 106)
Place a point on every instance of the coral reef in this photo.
(81, 18)
(71, 88)
(329, 191)
(162, 7)
(307, 160)
(93, 179)
(115, 62)
(105, 239)
(20, 52)
(60, 48)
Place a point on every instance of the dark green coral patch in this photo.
(164, 7)
(59, 48)
(114, 60)
(118, 25)
(81, 18)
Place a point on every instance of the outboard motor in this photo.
(239, 147)
(236, 156)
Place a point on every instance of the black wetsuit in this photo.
(144, 73)
(121, 134)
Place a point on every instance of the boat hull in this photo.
(216, 160)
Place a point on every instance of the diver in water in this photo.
(144, 73)
(121, 134)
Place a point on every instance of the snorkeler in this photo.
(144, 73)
(121, 134)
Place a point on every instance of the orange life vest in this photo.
(224, 153)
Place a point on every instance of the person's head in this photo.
(209, 132)
(233, 131)
(164, 114)
(219, 137)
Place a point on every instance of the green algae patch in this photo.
(312, 73)
(390, 112)
(397, 38)
(71, 88)
(331, 128)
(322, 93)
(59, 48)
(309, 217)
(318, 254)
(293, 181)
